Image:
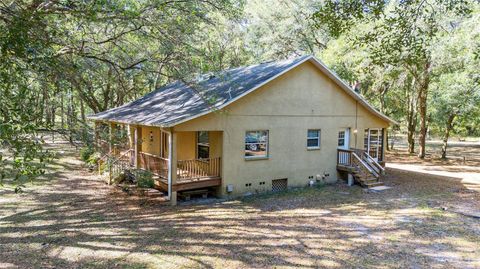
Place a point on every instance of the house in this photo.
(252, 129)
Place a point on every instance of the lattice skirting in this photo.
(280, 184)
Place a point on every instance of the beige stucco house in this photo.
(254, 129)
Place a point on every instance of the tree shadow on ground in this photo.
(78, 221)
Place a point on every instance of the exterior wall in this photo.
(186, 145)
(216, 143)
(152, 147)
(303, 98)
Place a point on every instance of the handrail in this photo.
(364, 164)
(374, 162)
(154, 163)
(361, 160)
(198, 168)
(125, 153)
(345, 150)
(117, 165)
(152, 155)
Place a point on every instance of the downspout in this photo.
(355, 132)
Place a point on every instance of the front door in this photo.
(344, 138)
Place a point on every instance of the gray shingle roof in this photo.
(177, 101)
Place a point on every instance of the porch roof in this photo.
(181, 101)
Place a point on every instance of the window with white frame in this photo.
(341, 138)
(313, 138)
(256, 144)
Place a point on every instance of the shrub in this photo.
(145, 179)
(93, 159)
(85, 153)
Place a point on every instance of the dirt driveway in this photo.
(73, 220)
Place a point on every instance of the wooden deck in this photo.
(366, 170)
(188, 184)
(191, 174)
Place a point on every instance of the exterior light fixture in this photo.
(151, 136)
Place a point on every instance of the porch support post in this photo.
(110, 148)
(111, 130)
(135, 145)
(96, 144)
(172, 166)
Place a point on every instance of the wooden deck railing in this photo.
(198, 168)
(186, 169)
(116, 165)
(359, 159)
(344, 157)
(153, 163)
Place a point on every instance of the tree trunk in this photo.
(393, 140)
(422, 102)
(52, 115)
(70, 117)
(448, 128)
(82, 111)
(62, 112)
(411, 118)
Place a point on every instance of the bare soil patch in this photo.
(73, 220)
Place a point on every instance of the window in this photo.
(164, 137)
(341, 138)
(256, 144)
(203, 145)
(313, 139)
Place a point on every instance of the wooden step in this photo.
(373, 184)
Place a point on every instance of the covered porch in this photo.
(179, 161)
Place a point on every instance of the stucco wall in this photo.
(150, 146)
(186, 144)
(287, 107)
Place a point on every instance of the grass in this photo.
(72, 220)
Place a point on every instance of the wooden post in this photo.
(135, 144)
(110, 149)
(110, 137)
(172, 166)
(96, 144)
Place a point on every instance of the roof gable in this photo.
(178, 102)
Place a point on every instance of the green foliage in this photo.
(456, 82)
(93, 159)
(86, 153)
(392, 49)
(144, 179)
(61, 60)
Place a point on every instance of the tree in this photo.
(456, 79)
(103, 53)
(279, 29)
(403, 35)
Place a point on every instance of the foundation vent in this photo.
(279, 184)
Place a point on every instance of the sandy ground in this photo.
(73, 220)
(463, 162)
